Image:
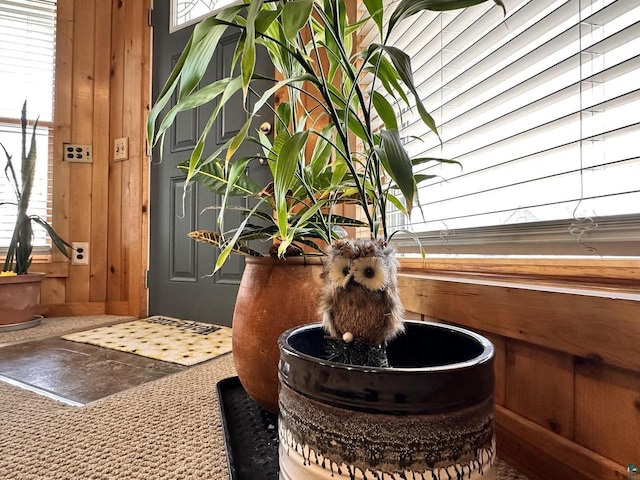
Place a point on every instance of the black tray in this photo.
(250, 434)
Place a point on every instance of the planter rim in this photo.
(455, 376)
(486, 355)
(302, 260)
(30, 277)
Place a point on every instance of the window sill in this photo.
(595, 317)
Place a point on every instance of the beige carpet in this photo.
(163, 430)
(168, 429)
(162, 338)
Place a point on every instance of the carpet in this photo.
(162, 338)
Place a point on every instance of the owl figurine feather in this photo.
(359, 304)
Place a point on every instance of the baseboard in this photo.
(543, 455)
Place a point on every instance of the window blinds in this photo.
(27, 60)
(541, 109)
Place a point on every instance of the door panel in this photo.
(180, 280)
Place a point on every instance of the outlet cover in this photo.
(74, 152)
(121, 149)
(80, 254)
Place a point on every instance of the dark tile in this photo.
(78, 373)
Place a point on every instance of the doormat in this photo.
(162, 338)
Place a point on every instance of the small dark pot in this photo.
(430, 415)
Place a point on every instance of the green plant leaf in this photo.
(375, 9)
(402, 62)
(406, 8)
(398, 165)
(385, 110)
(248, 62)
(294, 16)
(284, 176)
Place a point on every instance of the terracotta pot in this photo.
(274, 296)
(429, 416)
(19, 298)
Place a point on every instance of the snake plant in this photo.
(18, 257)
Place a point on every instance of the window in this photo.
(541, 110)
(188, 12)
(27, 60)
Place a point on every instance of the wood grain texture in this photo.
(539, 386)
(542, 455)
(586, 324)
(101, 154)
(608, 411)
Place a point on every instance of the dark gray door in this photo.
(180, 281)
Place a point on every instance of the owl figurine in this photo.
(359, 304)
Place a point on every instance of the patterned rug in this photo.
(162, 338)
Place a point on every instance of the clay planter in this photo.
(430, 416)
(274, 296)
(19, 299)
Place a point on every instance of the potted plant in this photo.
(335, 147)
(19, 289)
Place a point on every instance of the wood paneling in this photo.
(608, 411)
(580, 322)
(102, 93)
(567, 367)
(539, 386)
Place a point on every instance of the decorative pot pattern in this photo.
(274, 295)
(424, 418)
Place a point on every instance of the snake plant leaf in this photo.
(295, 15)
(398, 165)
(376, 11)
(58, 241)
(385, 111)
(406, 8)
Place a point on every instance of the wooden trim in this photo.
(53, 270)
(602, 270)
(571, 321)
(118, 308)
(542, 455)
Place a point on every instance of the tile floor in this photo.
(76, 373)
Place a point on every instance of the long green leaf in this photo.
(294, 16)
(249, 52)
(374, 7)
(402, 63)
(406, 8)
(399, 165)
(284, 175)
(385, 110)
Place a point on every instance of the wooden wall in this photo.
(102, 93)
(567, 367)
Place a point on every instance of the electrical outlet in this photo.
(80, 255)
(121, 148)
(74, 152)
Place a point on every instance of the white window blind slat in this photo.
(27, 59)
(540, 108)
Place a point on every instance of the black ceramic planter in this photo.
(429, 416)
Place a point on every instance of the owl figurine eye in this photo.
(370, 273)
(340, 271)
